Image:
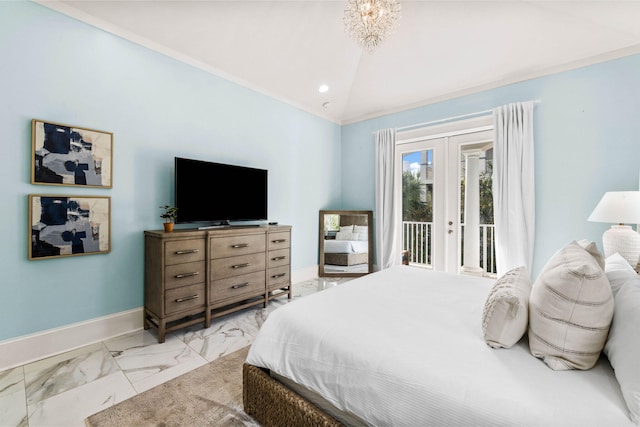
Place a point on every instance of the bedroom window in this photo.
(443, 188)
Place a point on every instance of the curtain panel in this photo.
(385, 218)
(513, 186)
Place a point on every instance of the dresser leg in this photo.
(162, 326)
(207, 318)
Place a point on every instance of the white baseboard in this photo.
(29, 348)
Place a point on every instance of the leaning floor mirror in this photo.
(346, 243)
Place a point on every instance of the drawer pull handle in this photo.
(279, 241)
(188, 251)
(246, 264)
(187, 298)
(241, 285)
(240, 245)
(182, 276)
(277, 276)
(278, 258)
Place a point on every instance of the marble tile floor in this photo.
(65, 389)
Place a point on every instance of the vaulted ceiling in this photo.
(439, 50)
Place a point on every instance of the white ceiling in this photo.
(439, 50)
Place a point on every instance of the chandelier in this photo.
(369, 22)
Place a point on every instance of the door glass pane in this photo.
(417, 205)
(477, 237)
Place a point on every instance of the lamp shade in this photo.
(618, 207)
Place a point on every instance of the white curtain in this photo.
(513, 186)
(386, 253)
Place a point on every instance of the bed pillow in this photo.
(506, 313)
(360, 229)
(592, 248)
(340, 235)
(570, 310)
(346, 228)
(623, 345)
(618, 271)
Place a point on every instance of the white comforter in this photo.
(345, 246)
(404, 347)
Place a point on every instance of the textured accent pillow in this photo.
(570, 310)
(623, 345)
(506, 313)
(592, 248)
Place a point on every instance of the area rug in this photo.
(207, 396)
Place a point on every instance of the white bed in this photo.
(345, 246)
(404, 347)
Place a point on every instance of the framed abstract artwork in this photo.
(61, 226)
(69, 155)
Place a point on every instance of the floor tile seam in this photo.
(42, 402)
(124, 373)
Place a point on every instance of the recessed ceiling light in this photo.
(323, 88)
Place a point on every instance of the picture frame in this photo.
(70, 155)
(62, 226)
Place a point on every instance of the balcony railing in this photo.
(416, 238)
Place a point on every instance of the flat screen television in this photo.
(219, 194)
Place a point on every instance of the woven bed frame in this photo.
(346, 259)
(271, 403)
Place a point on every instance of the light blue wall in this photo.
(587, 142)
(57, 69)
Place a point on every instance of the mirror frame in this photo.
(321, 269)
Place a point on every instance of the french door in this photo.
(441, 188)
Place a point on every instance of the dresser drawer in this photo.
(188, 250)
(277, 276)
(222, 247)
(234, 266)
(185, 274)
(279, 240)
(184, 298)
(278, 258)
(238, 286)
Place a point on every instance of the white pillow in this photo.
(346, 236)
(506, 312)
(623, 344)
(361, 229)
(346, 228)
(618, 271)
(570, 310)
(363, 236)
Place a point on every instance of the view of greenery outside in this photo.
(413, 194)
(417, 207)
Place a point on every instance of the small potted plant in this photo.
(169, 215)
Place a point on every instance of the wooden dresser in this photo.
(192, 276)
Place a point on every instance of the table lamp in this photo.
(620, 208)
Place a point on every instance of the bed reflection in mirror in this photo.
(346, 243)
